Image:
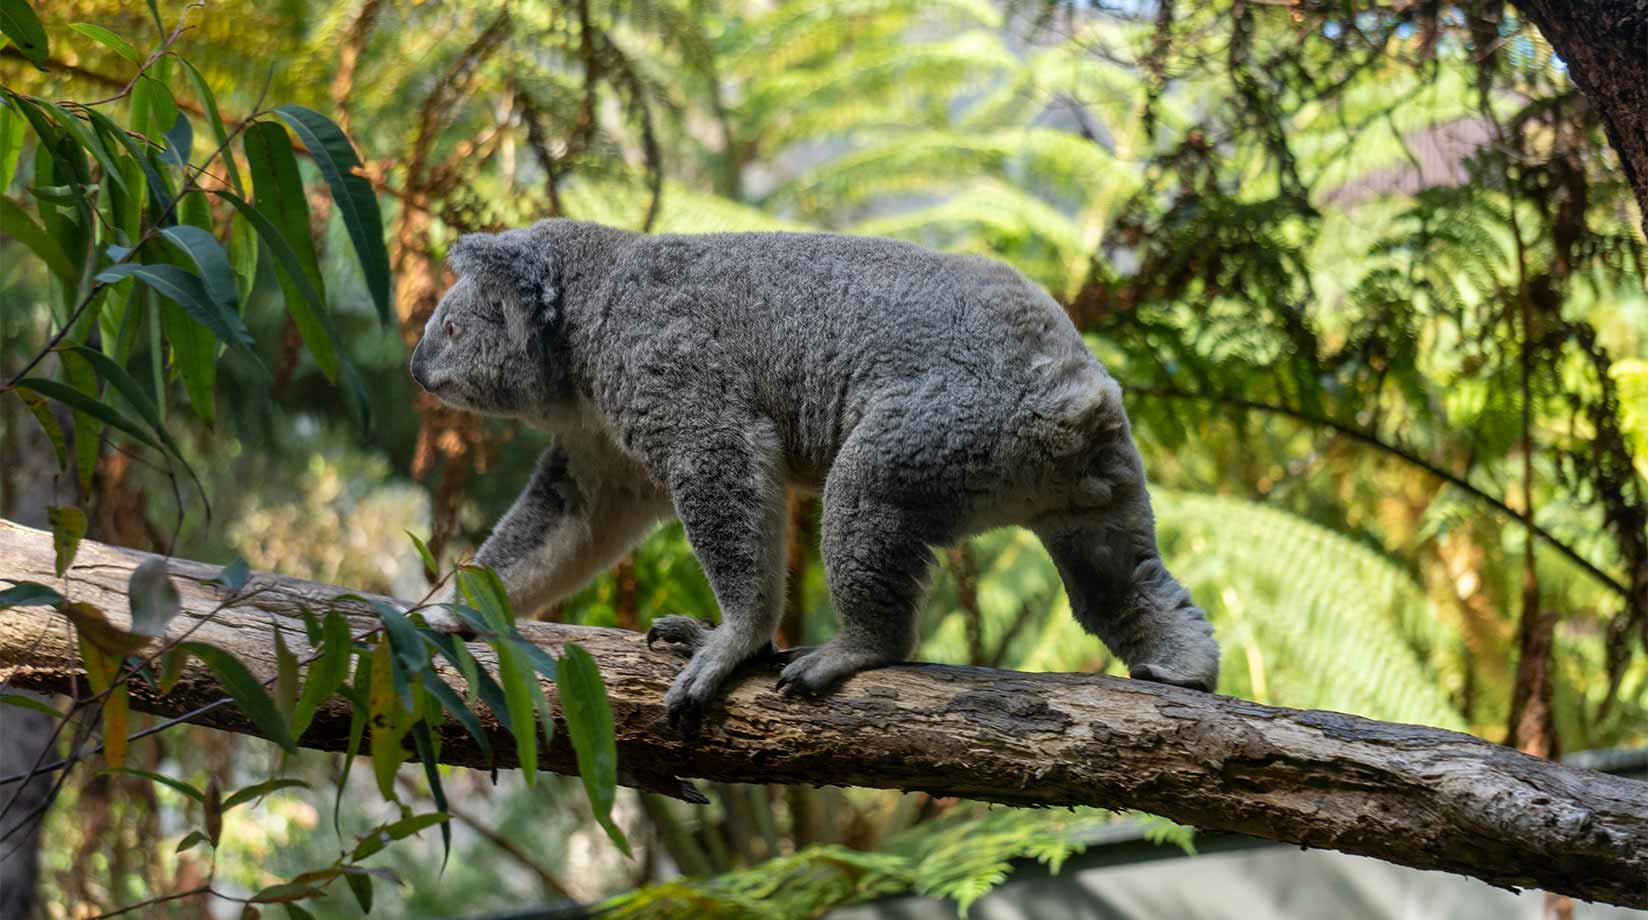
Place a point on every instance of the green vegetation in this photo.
(1371, 279)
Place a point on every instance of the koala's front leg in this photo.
(728, 497)
(568, 525)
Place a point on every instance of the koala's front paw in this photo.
(692, 691)
(681, 635)
(1163, 674)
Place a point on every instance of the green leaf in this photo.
(171, 668)
(403, 638)
(286, 678)
(454, 704)
(326, 674)
(18, 22)
(352, 194)
(431, 569)
(28, 594)
(88, 431)
(77, 400)
(88, 140)
(133, 393)
(207, 254)
(480, 683)
(186, 290)
(357, 731)
(17, 224)
(153, 598)
(282, 221)
(389, 720)
(28, 702)
(48, 423)
(360, 886)
(160, 191)
(177, 784)
(242, 796)
(11, 144)
(286, 892)
(589, 724)
(381, 836)
(203, 92)
(246, 691)
(425, 744)
(191, 839)
(68, 525)
(514, 675)
(104, 37)
(295, 912)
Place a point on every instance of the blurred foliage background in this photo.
(1369, 276)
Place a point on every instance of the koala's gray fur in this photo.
(926, 396)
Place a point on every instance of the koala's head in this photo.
(490, 344)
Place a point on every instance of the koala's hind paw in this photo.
(682, 635)
(817, 670)
(1162, 674)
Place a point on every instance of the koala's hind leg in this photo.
(877, 556)
(1120, 591)
(728, 496)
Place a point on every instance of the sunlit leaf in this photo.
(352, 193)
(326, 673)
(95, 629)
(281, 218)
(164, 780)
(514, 675)
(381, 836)
(18, 22)
(390, 720)
(208, 101)
(589, 725)
(11, 144)
(48, 423)
(431, 569)
(117, 710)
(104, 37)
(68, 525)
(242, 796)
(286, 678)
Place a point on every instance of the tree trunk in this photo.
(1605, 45)
(1417, 796)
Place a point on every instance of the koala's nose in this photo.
(420, 367)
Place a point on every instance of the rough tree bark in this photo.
(1605, 45)
(1417, 796)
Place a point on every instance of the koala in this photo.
(924, 396)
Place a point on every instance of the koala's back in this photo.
(829, 335)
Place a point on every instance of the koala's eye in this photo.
(451, 329)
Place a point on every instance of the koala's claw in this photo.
(683, 635)
(1163, 674)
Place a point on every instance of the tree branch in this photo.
(1416, 796)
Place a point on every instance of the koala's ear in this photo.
(516, 261)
